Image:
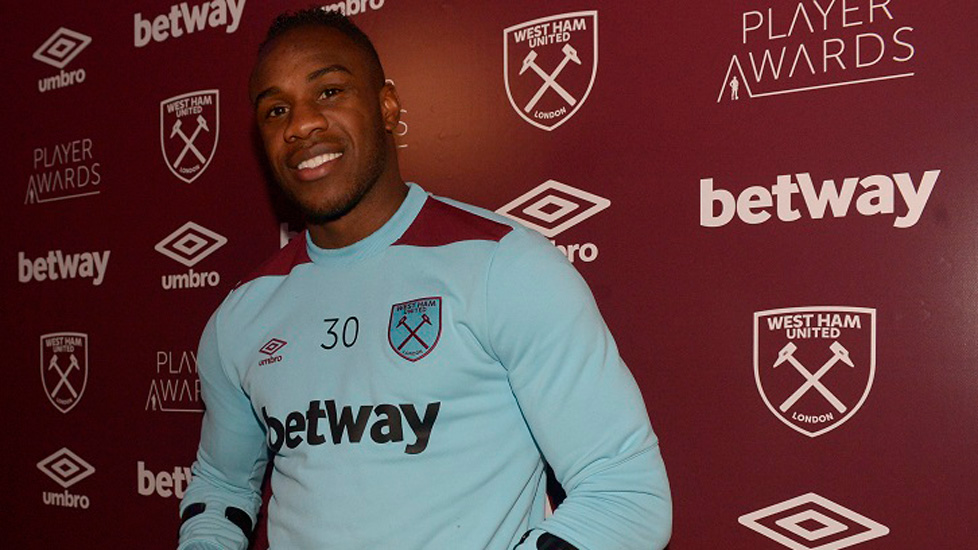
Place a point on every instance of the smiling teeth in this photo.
(316, 162)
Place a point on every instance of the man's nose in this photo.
(304, 121)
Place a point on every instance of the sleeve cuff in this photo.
(538, 539)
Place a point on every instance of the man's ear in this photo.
(390, 106)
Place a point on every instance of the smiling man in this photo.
(409, 363)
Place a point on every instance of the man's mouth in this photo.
(316, 162)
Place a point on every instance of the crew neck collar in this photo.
(378, 240)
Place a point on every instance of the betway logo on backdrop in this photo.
(176, 387)
(873, 195)
(553, 207)
(167, 484)
(58, 265)
(59, 50)
(805, 46)
(188, 245)
(186, 18)
(63, 171)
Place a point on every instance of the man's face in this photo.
(323, 117)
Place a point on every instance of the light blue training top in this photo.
(409, 388)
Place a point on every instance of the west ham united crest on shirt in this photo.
(415, 327)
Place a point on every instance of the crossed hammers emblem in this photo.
(839, 353)
(63, 374)
(550, 80)
(413, 333)
(189, 141)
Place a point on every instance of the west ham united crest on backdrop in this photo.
(549, 65)
(814, 366)
(189, 125)
(64, 368)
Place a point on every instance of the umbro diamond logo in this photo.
(272, 346)
(190, 244)
(553, 207)
(65, 468)
(813, 522)
(63, 46)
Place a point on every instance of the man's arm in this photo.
(580, 401)
(222, 501)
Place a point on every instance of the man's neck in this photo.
(369, 215)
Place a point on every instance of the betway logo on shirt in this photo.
(387, 425)
(57, 265)
(186, 19)
(873, 195)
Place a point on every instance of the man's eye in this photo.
(275, 112)
(329, 92)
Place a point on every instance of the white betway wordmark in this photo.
(874, 195)
(63, 171)
(353, 7)
(58, 50)
(186, 19)
(176, 387)
(164, 484)
(57, 265)
(818, 44)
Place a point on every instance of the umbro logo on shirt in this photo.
(269, 349)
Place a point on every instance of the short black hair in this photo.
(320, 16)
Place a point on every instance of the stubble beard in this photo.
(363, 182)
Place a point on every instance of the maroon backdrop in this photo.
(775, 204)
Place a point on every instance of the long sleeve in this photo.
(579, 400)
(231, 457)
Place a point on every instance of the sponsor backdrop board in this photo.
(775, 204)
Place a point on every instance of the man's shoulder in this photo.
(282, 262)
(443, 221)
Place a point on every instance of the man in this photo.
(408, 362)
